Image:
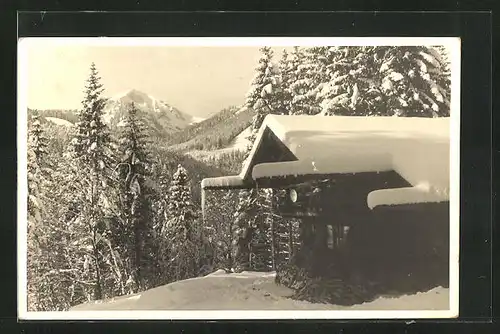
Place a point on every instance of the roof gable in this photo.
(418, 149)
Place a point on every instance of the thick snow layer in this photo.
(416, 148)
(410, 195)
(250, 291)
(59, 121)
(223, 181)
(342, 165)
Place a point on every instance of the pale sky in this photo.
(197, 80)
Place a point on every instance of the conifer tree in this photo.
(415, 81)
(180, 226)
(352, 82)
(263, 94)
(35, 262)
(92, 151)
(37, 140)
(134, 234)
(264, 98)
(385, 81)
(285, 67)
(36, 150)
(302, 81)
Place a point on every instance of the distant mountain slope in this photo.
(69, 115)
(216, 132)
(59, 121)
(159, 115)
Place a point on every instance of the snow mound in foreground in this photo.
(250, 291)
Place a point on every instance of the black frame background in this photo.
(475, 31)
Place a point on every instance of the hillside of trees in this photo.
(213, 133)
(69, 115)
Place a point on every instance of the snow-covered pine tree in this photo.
(36, 145)
(285, 68)
(264, 90)
(263, 97)
(415, 81)
(36, 139)
(385, 81)
(352, 82)
(303, 78)
(36, 150)
(93, 153)
(179, 227)
(219, 209)
(133, 235)
(46, 278)
(92, 138)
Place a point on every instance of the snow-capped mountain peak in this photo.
(141, 99)
(159, 112)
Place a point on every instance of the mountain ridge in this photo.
(158, 114)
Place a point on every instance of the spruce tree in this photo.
(180, 226)
(36, 146)
(352, 83)
(302, 81)
(36, 139)
(415, 81)
(264, 98)
(385, 81)
(134, 234)
(92, 151)
(284, 98)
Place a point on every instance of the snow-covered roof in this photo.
(415, 148)
(232, 181)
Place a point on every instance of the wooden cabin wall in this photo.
(345, 202)
(404, 243)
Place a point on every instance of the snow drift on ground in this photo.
(250, 291)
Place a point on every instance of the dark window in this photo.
(330, 237)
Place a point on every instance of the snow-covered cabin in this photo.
(387, 176)
(417, 149)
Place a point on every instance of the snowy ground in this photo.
(250, 291)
